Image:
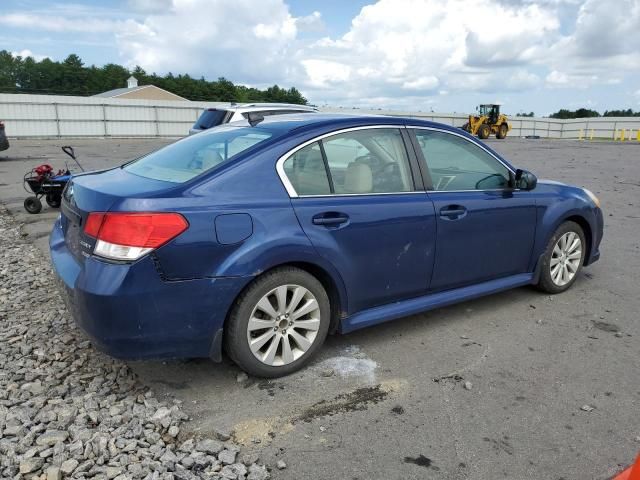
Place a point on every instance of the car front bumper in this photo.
(597, 230)
(130, 312)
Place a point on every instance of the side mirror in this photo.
(525, 180)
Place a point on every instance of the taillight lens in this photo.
(129, 236)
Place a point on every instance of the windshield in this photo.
(210, 118)
(191, 156)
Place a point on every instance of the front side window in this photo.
(455, 163)
(187, 158)
(368, 161)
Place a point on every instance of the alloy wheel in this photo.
(565, 258)
(283, 325)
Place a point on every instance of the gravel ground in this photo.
(68, 411)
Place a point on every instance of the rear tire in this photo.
(502, 132)
(484, 131)
(266, 335)
(32, 205)
(563, 258)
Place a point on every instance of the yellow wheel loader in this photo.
(488, 121)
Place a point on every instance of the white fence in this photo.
(47, 116)
(59, 116)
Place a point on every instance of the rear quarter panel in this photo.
(250, 188)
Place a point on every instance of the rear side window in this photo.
(368, 161)
(306, 171)
(458, 164)
(358, 162)
(191, 156)
(210, 118)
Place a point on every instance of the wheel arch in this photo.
(586, 229)
(330, 281)
(551, 220)
(336, 300)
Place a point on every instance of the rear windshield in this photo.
(191, 156)
(210, 118)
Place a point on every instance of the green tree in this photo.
(621, 113)
(72, 77)
(579, 113)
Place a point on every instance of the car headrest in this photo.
(358, 178)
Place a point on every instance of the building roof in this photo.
(118, 92)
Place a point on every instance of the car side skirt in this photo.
(385, 313)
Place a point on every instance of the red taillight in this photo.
(92, 227)
(118, 231)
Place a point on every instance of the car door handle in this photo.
(453, 212)
(330, 219)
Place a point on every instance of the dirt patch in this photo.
(421, 461)
(606, 327)
(260, 430)
(359, 399)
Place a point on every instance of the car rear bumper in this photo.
(129, 312)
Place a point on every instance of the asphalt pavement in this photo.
(518, 385)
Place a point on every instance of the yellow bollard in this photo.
(591, 135)
(580, 135)
(638, 135)
(622, 134)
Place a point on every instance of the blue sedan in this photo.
(261, 239)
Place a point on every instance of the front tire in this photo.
(278, 323)
(563, 258)
(484, 131)
(502, 132)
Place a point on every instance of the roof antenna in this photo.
(254, 118)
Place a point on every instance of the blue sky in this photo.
(441, 55)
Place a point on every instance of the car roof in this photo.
(259, 107)
(300, 122)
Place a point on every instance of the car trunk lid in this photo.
(98, 192)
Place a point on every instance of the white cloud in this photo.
(428, 83)
(28, 53)
(420, 46)
(507, 36)
(522, 80)
(401, 52)
(53, 23)
(605, 41)
(311, 23)
(557, 79)
(323, 73)
(243, 40)
(148, 6)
